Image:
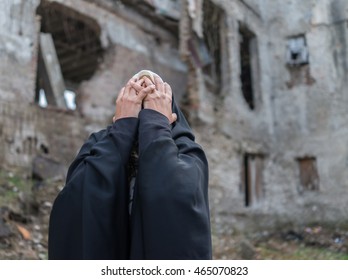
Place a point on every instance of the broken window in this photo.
(297, 51)
(69, 97)
(42, 100)
(297, 61)
(252, 178)
(309, 176)
(200, 54)
(50, 83)
(213, 27)
(249, 68)
(69, 53)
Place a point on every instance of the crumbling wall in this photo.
(308, 112)
(295, 126)
(130, 41)
(27, 131)
(226, 126)
(18, 49)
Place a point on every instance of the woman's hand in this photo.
(159, 98)
(129, 100)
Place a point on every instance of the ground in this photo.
(25, 205)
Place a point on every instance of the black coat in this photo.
(170, 212)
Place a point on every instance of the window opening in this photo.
(212, 27)
(248, 64)
(309, 176)
(42, 99)
(297, 51)
(297, 62)
(69, 97)
(252, 179)
(77, 47)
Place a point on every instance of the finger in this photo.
(159, 83)
(140, 81)
(147, 81)
(145, 91)
(174, 118)
(113, 119)
(132, 91)
(120, 94)
(158, 77)
(127, 89)
(168, 89)
(136, 86)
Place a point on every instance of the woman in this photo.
(169, 217)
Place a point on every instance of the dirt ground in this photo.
(25, 205)
(308, 243)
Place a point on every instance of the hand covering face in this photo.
(170, 211)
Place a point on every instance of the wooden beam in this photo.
(52, 68)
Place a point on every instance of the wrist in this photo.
(127, 114)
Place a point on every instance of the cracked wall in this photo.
(299, 115)
(130, 39)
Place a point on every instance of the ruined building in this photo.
(269, 80)
(264, 84)
(90, 48)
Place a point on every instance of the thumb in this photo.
(173, 118)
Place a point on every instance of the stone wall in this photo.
(308, 113)
(299, 114)
(130, 41)
(18, 50)
(27, 131)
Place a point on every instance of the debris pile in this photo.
(25, 207)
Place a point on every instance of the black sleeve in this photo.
(171, 211)
(89, 217)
